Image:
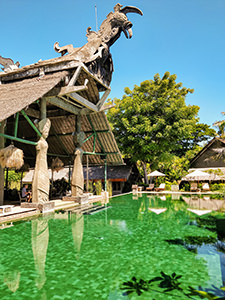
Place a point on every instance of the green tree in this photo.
(152, 121)
(221, 126)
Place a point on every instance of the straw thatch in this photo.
(17, 95)
(57, 164)
(11, 157)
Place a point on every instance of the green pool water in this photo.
(74, 256)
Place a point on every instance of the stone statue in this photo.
(40, 185)
(77, 181)
(95, 53)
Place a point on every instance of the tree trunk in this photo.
(145, 172)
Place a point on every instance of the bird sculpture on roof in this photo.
(8, 64)
(95, 53)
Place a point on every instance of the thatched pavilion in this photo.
(70, 91)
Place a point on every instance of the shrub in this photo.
(217, 187)
(98, 187)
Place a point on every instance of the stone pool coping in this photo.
(19, 213)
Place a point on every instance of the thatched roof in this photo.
(15, 96)
(23, 87)
(211, 156)
(60, 139)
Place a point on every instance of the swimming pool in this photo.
(143, 245)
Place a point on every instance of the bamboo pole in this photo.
(2, 144)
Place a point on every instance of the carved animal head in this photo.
(117, 22)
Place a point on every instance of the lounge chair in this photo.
(5, 208)
(174, 188)
(22, 199)
(150, 187)
(205, 187)
(194, 187)
(140, 188)
(134, 188)
(161, 187)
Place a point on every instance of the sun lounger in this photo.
(174, 188)
(194, 187)
(140, 188)
(134, 188)
(150, 187)
(5, 208)
(205, 187)
(161, 187)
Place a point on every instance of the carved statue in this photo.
(40, 185)
(8, 64)
(95, 53)
(77, 181)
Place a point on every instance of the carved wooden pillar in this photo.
(2, 144)
(77, 182)
(41, 183)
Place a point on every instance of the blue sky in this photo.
(185, 37)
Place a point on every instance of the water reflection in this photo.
(40, 239)
(12, 280)
(77, 224)
(205, 203)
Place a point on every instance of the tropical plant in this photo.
(169, 283)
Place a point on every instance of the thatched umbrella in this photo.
(155, 174)
(197, 175)
(11, 157)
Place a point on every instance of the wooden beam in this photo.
(72, 89)
(94, 77)
(105, 107)
(32, 113)
(81, 100)
(75, 76)
(63, 105)
(61, 91)
(103, 98)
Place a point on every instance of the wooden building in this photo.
(68, 91)
(211, 158)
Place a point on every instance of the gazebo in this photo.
(57, 107)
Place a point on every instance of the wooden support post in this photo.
(70, 175)
(43, 108)
(87, 179)
(77, 182)
(105, 175)
(2, 144)
(7, 179)
(78, 123)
